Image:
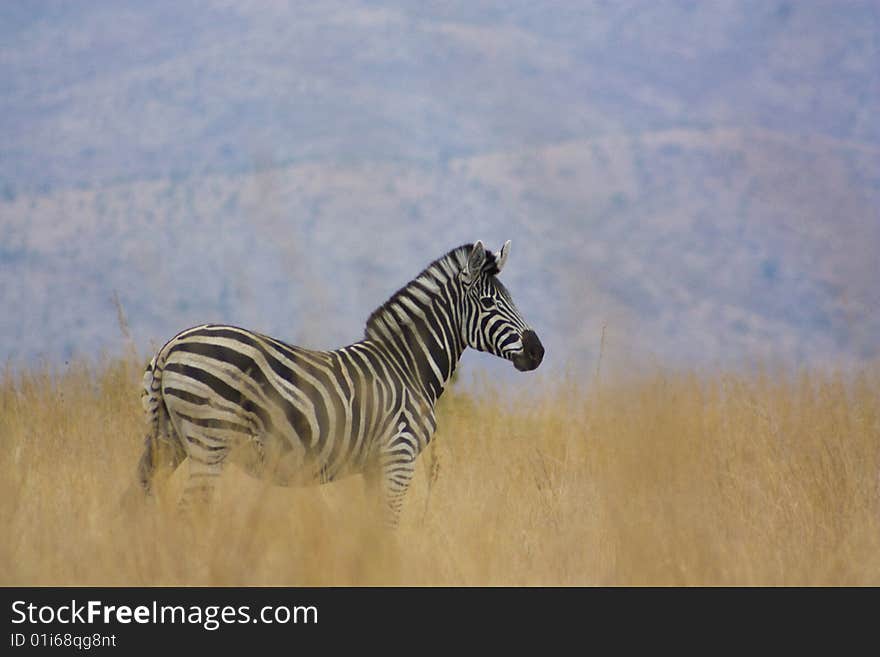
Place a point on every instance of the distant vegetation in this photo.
(701, 178)
(691, 262)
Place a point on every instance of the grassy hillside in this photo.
(107, 91)
(696, 246)
(702, 177)
(667, 479)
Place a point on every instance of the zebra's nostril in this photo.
(532, 346)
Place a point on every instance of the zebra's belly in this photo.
(291, 468)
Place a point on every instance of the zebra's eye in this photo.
(487, 302)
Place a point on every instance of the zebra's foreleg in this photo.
(387, 482)
(396, 466)
(395, 483)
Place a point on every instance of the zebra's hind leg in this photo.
(203, 475)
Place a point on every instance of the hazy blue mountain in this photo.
(701, 179)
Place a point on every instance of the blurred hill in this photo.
(702, 179)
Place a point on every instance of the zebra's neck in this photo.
(420, 325)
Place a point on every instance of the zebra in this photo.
(295, 416)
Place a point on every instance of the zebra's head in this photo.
(491, 321)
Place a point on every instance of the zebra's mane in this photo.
(438, 272)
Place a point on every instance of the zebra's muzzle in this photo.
(532, 353)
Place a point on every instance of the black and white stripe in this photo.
(296, 416)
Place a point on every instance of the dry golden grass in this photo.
(676, 479)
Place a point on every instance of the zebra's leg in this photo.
(396, 478)
(396, 466)
(387, 481)
(203, 475)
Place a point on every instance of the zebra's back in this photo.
(290, 414)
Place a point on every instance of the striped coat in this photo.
(297, 416)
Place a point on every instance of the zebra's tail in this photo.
(161, 444)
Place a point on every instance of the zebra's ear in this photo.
(476, 260)
(501, 256)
